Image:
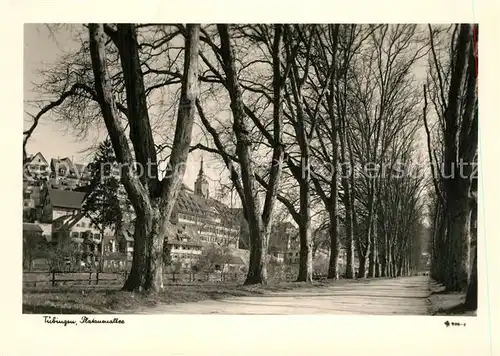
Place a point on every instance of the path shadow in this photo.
(459, 309)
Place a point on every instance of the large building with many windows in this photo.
(211, 220)
(198, 220)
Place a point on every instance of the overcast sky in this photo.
(53, 139)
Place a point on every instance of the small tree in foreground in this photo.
(102, 204)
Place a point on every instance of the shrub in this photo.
(320, 266)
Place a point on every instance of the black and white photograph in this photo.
(243, 169)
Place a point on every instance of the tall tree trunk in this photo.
(334, 251)
(472, 289)
(277, 160)
(305, 256)
(373, 249)
(399, 267)
(350, 249)
(385, 255)
(146, 273)
(371, 261)
(369, 255)
(457, 231)
(383, 266)
(257, 269)
(257, 272)
(393, 263)
(440, 268)
(299, 124)
(461, 121)
(362, 266)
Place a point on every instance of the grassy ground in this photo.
(84, 300)
(447, 303)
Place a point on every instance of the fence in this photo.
(34, 279)
(115, 277)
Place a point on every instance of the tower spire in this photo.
(201, 184)
(200, 173)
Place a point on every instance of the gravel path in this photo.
(399, 296)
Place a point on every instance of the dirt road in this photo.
(399, 296)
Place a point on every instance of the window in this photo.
(97, 236)
(75, 234)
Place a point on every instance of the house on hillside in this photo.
(62, 208)
(284, 243)
(37, 167)
(35, 175)
(65, 174)
(32, 230)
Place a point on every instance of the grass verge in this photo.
(447, 303)
(84, 300)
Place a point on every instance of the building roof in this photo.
(66, 198)
(184, 236)
(230, 260)
(235, 260)
(66, 161)
(80, 170)
(39, 155)
(193, 204)
(32, 227)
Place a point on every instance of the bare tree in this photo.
(452, 148)
(153, 200)
(244, 179)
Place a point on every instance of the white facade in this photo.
(184, 253)
(211, 230)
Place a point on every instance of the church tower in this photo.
(201, 184)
